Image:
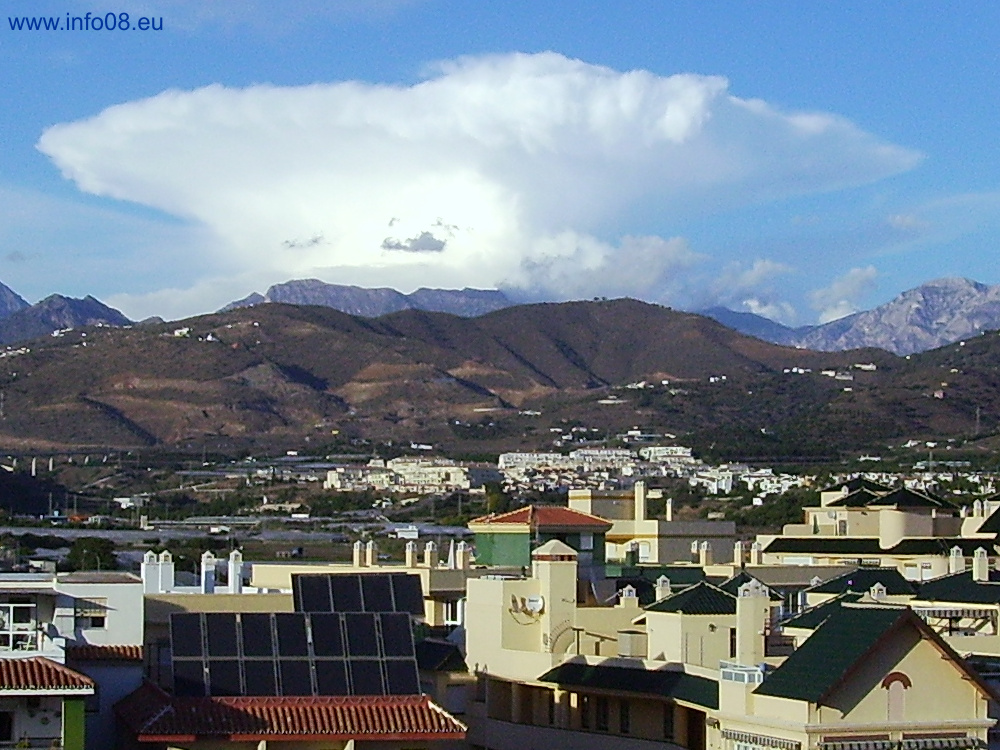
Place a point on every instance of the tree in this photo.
(92, 553)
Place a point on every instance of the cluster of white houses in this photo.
(872, 625)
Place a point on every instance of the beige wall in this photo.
(702, 640)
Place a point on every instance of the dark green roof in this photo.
(663, 682)
(838, 545)
(439, 656)
(701, 599)
(732, 585)
(679, 575)
(862, 579)
(858, 483)
(813, 617)
(858, 499)
(904, 497)
(819, 664)
(959, 588)
(992, 524)
(864, 546)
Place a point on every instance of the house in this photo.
(656, 540)
(695, 670)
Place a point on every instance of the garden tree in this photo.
(92, 553)
(497, 501)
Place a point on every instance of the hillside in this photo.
(278, 375)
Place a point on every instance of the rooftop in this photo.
(154, 716)
(39, 674)
(701, 599)
(546, 516)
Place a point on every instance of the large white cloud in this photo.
(842, 297)
(511, 170)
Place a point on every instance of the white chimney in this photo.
(463, 556)
(877, 592)
(980, 565)
(739, 552)
(430, 555)
(663, 589)
(208, 573)
(669, 509)
(235, 572)
(752, 609)
(411, 554)
(956, 560)
(166, 572)
(694, 551)
(756, 553)
(371, 554)
(358, 554)
(640, 501)
(705, 554)
(150, 573)
(977, 508)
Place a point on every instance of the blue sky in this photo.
(800, 161)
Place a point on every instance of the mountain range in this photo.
(934, 314)
(373, 303)
(279, 376)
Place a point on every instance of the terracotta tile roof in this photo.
(543, 516)
(93, 652)
(39, 673)
(156, 717)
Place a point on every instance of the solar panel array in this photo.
(364, 592)
(293, 653)
(351, 634)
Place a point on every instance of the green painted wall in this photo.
(74, 721)
(503, 549)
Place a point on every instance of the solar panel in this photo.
(331, 677)
(408, 594)
(397, 635)
(295, 653)
(376, 591)
(346, 591)
(256, 632)
(221, 630)
(366, 677)
(224, 677)
(259, 677)
(185, 634)
(362, 640)
(402, 677)
(295, 677)
(327, 638)
(312, 593)
(189, 679)
(291, 631)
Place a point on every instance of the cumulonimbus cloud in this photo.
(528, 161)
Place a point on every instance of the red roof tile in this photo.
(543, 516)
(39, 673)
(94, 652)
(156, 717)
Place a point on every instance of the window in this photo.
(552, 708)
(91, 613)
(585, 712)
(732, 643)
(586, 541)
(668, 721)
(17, 625)
(602, 718)
(624, 717)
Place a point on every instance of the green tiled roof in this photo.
(959, 588)
(862, 579)
(863, 546)
(701, 599)
(667, 683)
(904, 497)
(992, 524)
(837, 545)
(732, 585)
(858, 483)
(813, 617)
(858, 499)
(679, 575)
(819, 664)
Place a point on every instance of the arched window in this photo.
(896, 685)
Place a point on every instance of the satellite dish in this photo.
(535, 604)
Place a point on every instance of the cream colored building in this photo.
(656, 540)
(693, 671)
